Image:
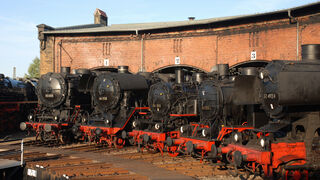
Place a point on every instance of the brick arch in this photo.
(172, 67)
(250, 63)
(107, 68)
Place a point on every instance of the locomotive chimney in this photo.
(223, 69)
(179, 76)
(123, 69)
(214, 69)
(198, 77)
(249, 71)
(82, 71)
(65, 70)
(310, 52)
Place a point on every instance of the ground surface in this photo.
(91, 161)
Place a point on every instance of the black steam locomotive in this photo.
(61, 104)
(285, 88)
(17, 98)
(287, 91)
(173, 100)
(257, 115)
(115, 95)
(17, 90)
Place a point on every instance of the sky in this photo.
(19, 43)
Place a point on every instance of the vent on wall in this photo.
(106, 48)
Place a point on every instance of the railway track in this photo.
(91, 161)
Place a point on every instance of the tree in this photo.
(34, 69)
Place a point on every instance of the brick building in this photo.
(197, 43)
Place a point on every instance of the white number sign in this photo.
(106, 62)
(177, 60)
(253, 55)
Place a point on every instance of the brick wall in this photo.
(200, 48)
(47, 56)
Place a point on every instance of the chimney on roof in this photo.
(191, 18)
(100, 17)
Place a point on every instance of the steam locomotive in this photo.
(173, 101)
(16, 90)
(17, 97)
(288, 144)
(261, 116)
(61, 105)
(115, 99)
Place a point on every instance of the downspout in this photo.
(60, 54)
(54, 54)
(295, 20)
(142, 47)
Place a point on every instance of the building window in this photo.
(177, 45)
(106, 48)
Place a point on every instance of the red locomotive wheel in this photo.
(172, 151)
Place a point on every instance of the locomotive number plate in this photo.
(49, 95)
(270, 96)
(103, 98)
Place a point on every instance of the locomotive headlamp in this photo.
(55, 118)
(157, 126)
(107, 121)
(262, 142)
(30, 117)
(134, 124)
(84, 119)
(181, 129)
(204, 132)
(184, 129)
(23, 126)
(236, 137)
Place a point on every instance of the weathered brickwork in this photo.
(202, 48)
(47, 61)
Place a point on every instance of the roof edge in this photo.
(293, 12)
